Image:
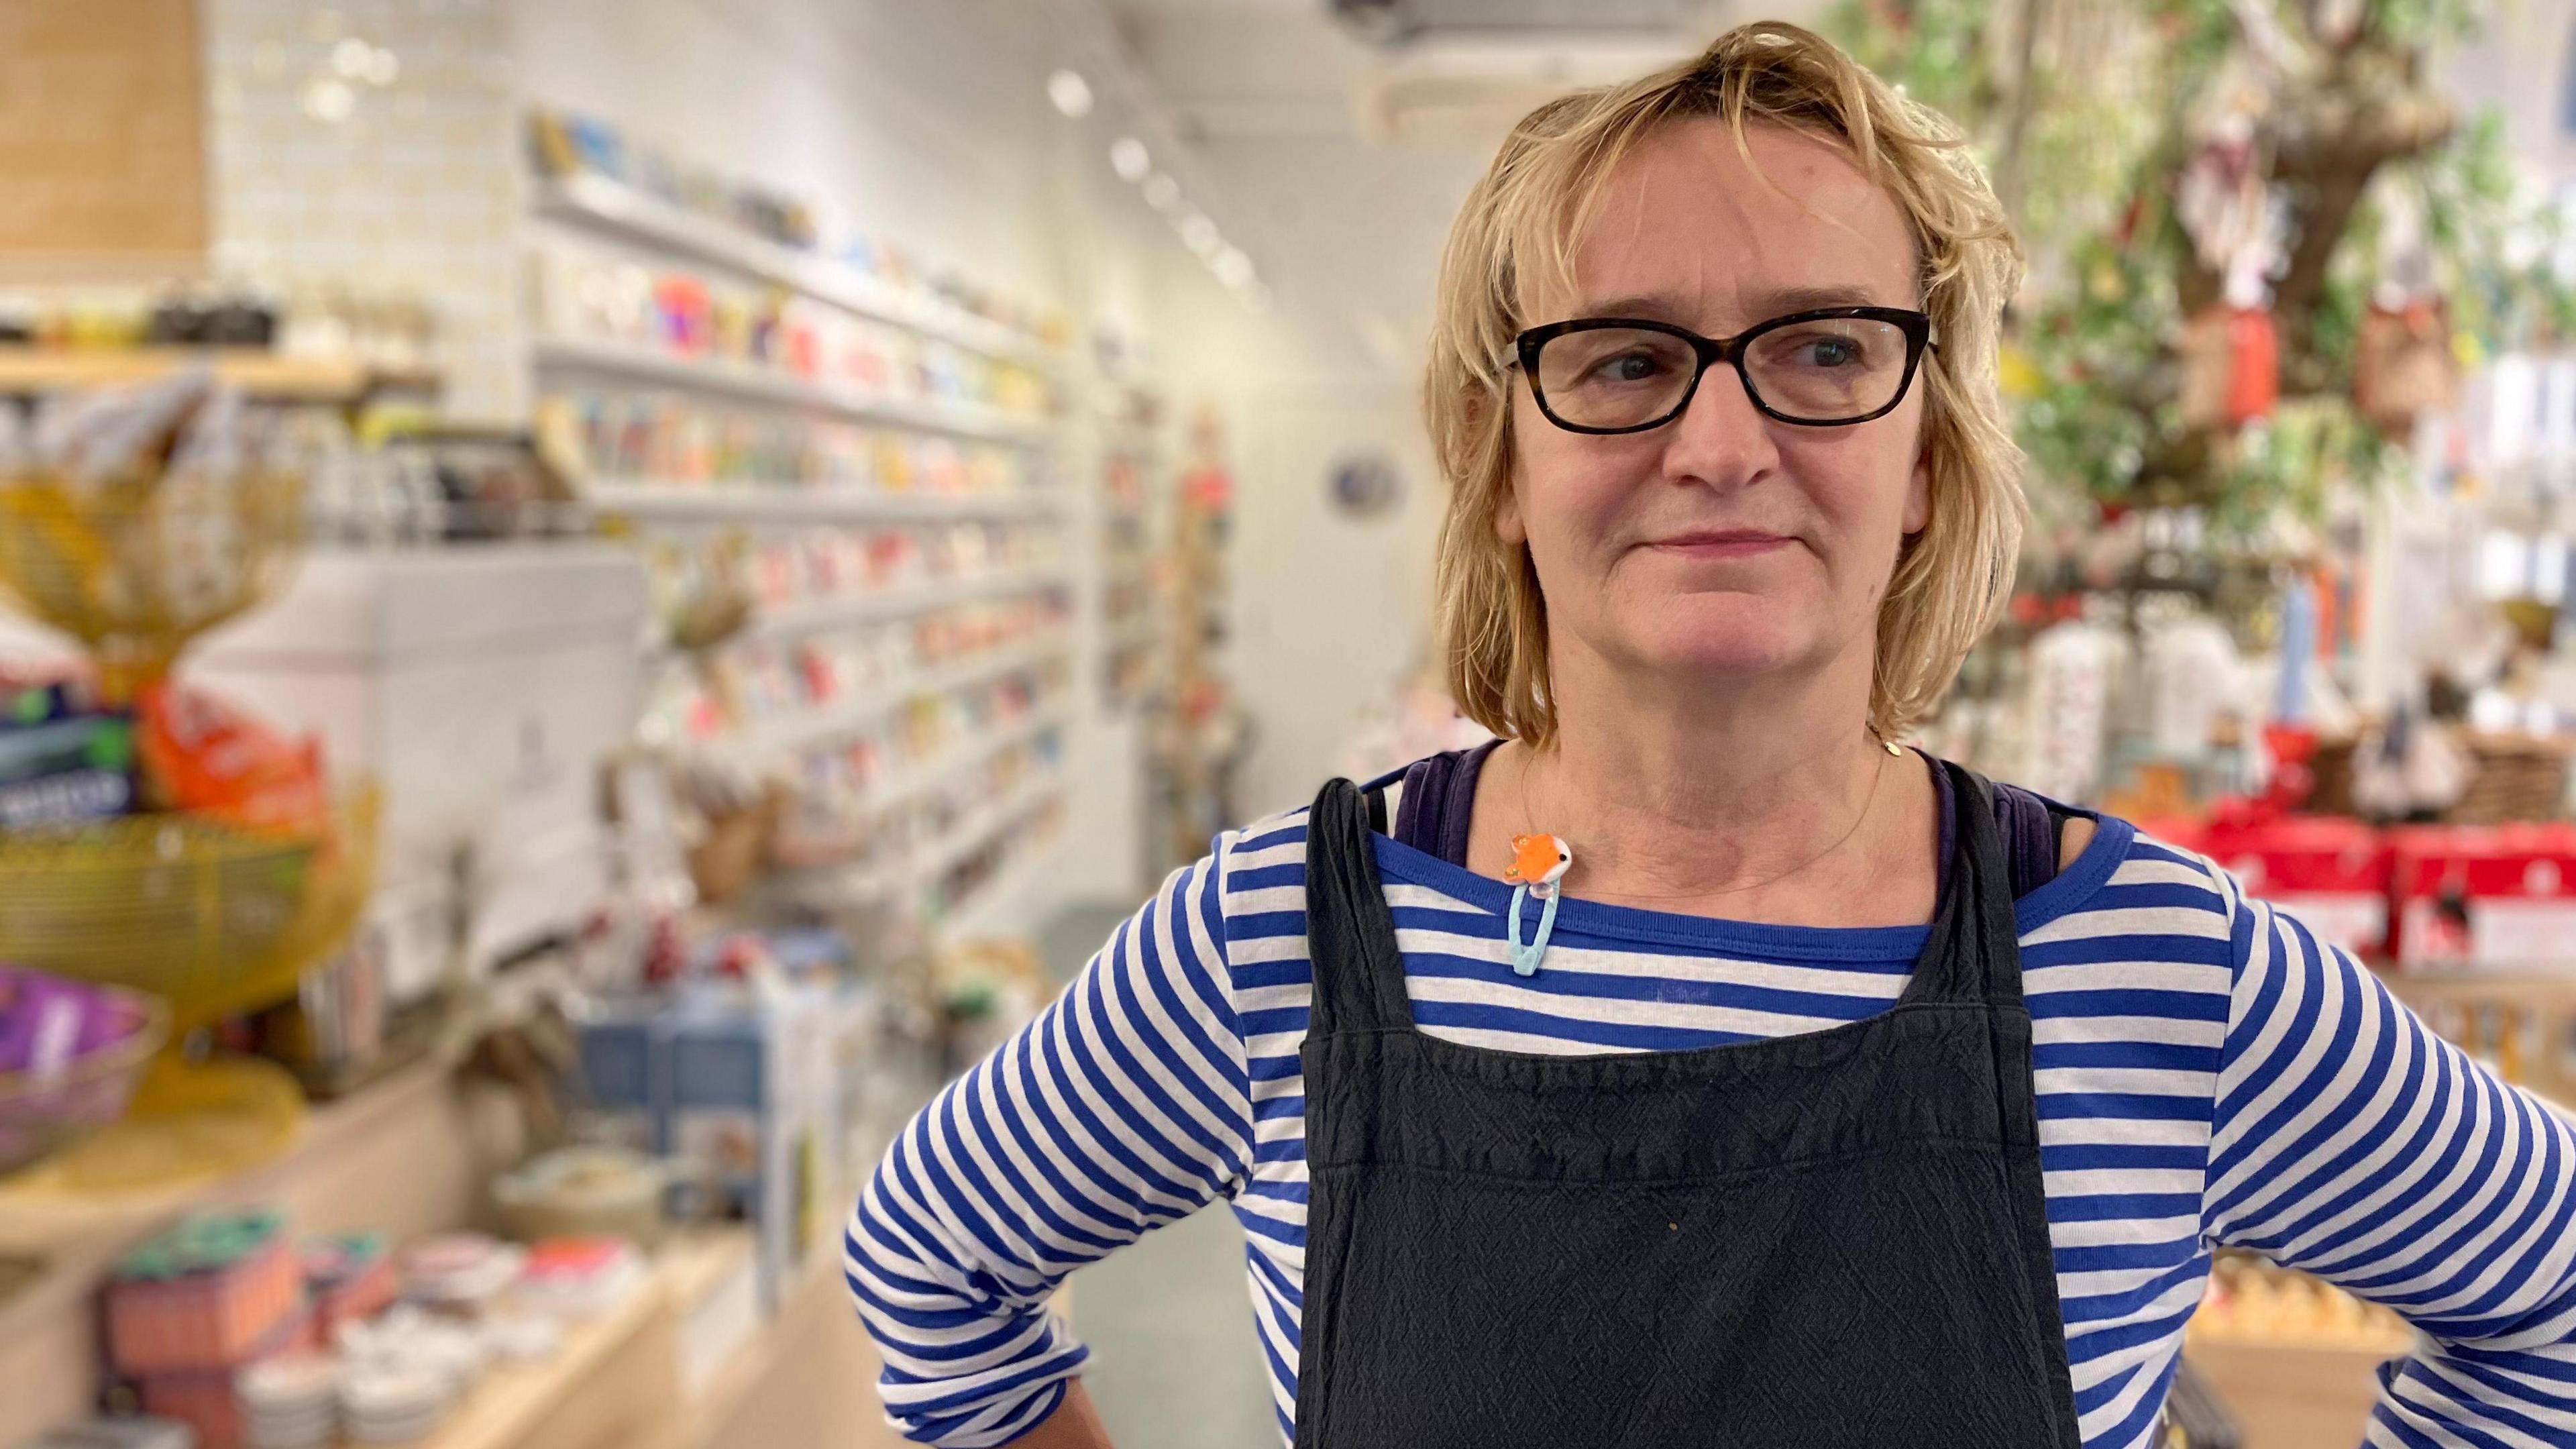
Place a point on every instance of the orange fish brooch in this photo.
(1539, 863)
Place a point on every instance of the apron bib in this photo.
(1836, 1240)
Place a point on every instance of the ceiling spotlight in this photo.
(329, 101)
(1161, 192)
(1070, 93)
(1232, 267)
(1127, 157)
(350, 58)
(1200, 235)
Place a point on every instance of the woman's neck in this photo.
(1754, 803)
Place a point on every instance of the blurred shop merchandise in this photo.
(128, 1433)
(162, 839)
(71, 1052)
(589, 1192)
(1200, 731)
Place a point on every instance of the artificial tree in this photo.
(2093, 116)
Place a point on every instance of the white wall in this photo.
(926, 124)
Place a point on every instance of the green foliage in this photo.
(2096, 398)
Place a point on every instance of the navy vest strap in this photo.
(1347, 921)
(2030, 831)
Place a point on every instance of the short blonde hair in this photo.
(1519, 229)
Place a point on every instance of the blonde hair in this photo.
(1518, 231)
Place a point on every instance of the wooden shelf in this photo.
(663, 367)
(793, 503)
(2287, 1395)
(510, 1405)
(408, 1155)
(600, 204)
(257, 372)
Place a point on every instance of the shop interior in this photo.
(599, 596)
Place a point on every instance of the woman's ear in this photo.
(1918, 497)
(1507, 513)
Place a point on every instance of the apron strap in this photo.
(1982, 949)
(1350, 934)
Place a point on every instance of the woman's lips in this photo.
(1722, 543)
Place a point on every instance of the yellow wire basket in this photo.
(210, 916)
(213, 918)
(134, 568)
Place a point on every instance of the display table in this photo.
(408, 1157)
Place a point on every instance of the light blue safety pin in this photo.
(1539, 863)
(1525, 959)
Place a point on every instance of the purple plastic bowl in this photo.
(70, 1054)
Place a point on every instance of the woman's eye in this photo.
(1829, 352)
(1629, 367)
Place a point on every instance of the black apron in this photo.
(1836, 1240)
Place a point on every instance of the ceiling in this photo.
(1344, 157)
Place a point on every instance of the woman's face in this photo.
(1724, 543)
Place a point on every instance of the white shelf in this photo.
(967, 836)
(776, 385)
(974, 916)
(604, 205)
(794, 503)
(807, 728)
(905, 784)
(821, 614)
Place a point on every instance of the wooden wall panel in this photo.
(102, 132)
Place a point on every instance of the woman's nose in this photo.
(1721, 439)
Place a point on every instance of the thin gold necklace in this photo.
(1839, 841)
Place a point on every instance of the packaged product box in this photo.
(2484, 897)
(62, 757)
(2330, 871)
(213, 1293)
(749, 1106)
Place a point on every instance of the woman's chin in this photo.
(1746, 655)
(1695, 638)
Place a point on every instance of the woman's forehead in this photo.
(1689, 228)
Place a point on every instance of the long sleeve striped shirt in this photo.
(2208, 1074)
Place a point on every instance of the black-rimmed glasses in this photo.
(1817, 369)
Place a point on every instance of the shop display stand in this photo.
(1198, 732)
(258, 372)
(601, 210)
(1132, 485)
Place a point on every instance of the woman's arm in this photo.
(1123, 1107)
(2353, 1143)
(1075, 1424)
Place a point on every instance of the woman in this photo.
(1685, 1070)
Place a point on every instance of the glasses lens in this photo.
(1614, 377)
(1828, 369)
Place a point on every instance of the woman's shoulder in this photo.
(2106, 862)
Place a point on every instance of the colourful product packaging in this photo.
(62, 758)
(2483, 897)
(208, 1400)
(49, 1022)
(2329, 870)
(348, 1278)
(211, 1294)
(209, 759)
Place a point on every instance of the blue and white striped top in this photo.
(2208, 1074)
